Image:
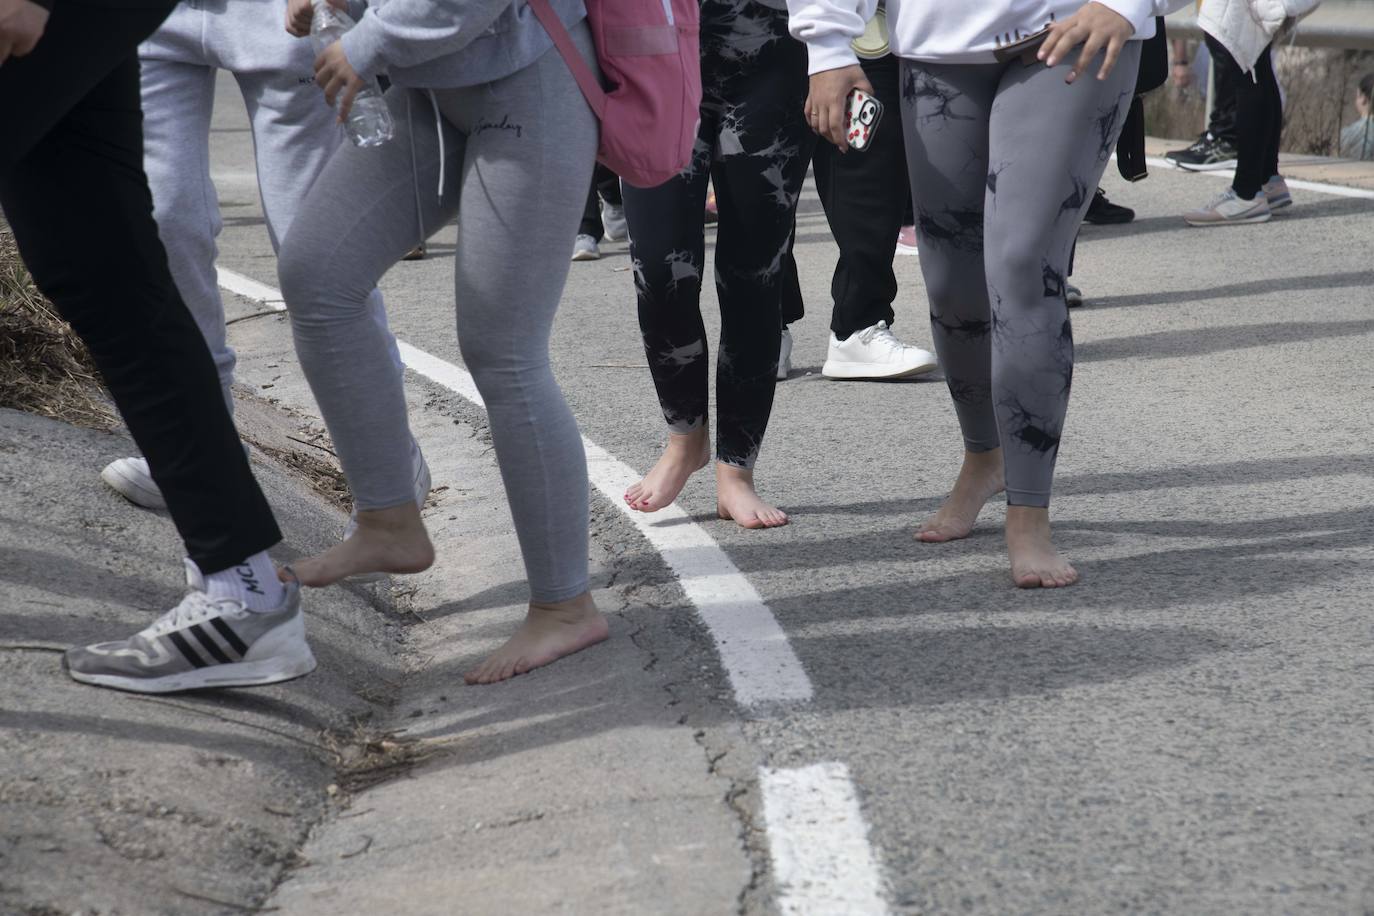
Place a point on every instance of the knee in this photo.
(663, 277)
(314, 285)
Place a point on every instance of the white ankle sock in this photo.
(254, 582)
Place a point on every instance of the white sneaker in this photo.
(202, 642)
(906, 242)
(131, 479)
(1227, 209)
(584, 249)
(613, 222)
(874, 353)
(785, 355)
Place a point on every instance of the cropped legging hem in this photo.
(1030, 498)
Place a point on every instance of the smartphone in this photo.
(1023, 48)
(861, 116)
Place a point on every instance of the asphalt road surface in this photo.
(1188, 729)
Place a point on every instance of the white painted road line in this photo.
(250, 288)
(753, 649)
(1338, 190)
(822, 863)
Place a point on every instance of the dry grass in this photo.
(364, 757)
(44, 368)
(1319, 90)
(324, 476)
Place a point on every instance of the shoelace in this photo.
(195, 607)
(1220, 199)
(880, 333)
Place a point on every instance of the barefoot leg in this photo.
(386, 540)
(1034, 561)
(686, 454)
(979, 480)
(550, 631)
(737, 499)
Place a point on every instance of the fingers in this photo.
(1113, 52)
(834, 125)
(351, 91)
(1091, 46)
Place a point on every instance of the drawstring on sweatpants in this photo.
(415, 167)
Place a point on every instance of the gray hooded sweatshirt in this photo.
(446, 44)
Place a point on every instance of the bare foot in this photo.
(550, 631)
(1034, 561)
(979, 480)
(686, 454)
(736, 499)
(386, 541)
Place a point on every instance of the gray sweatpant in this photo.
(517, 158)
(1004, 160)
(294, 134)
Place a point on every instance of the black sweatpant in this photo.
(754, 145)
(1226, 77)
(1259, 128)
(605, 186)
(866, 197)
(74, 192)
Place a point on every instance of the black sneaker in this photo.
(1103, 212)
(1206, 154)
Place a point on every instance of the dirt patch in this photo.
(45, 369)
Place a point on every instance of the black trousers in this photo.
(1259, 128)
(605, 186)
(866, 196)
(1226, 78)
(74, 192)
(753, 145)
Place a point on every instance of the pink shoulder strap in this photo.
(586, 80)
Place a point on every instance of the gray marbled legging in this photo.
(1004, 160)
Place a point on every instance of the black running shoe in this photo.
(1206, 154)
(1103, 212)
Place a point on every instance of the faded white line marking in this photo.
(1339, 190)
(752, 646)
(822, 863)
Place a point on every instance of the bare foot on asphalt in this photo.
(550, 631)
(736, 499)
(980, 478)
(686, 454)
(1034, 561)
(386, 541)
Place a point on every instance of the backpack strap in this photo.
(586, 80)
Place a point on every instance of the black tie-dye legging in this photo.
(1004, 160)
(754, 145)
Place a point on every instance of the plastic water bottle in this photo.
(368, 122)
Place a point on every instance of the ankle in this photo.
(730, 474)
(1028, 520)
(253, 583)
(569, 611)
(689, 443)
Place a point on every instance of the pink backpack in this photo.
(649, 53)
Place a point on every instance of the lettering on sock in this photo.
(249, 579)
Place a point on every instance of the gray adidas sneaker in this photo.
(203, 642)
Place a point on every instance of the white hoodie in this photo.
(945, 31)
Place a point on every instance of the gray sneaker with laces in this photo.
(203, 642)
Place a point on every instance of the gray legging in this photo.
(517, 156)
(1004, 160)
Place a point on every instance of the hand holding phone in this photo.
(862, 113)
